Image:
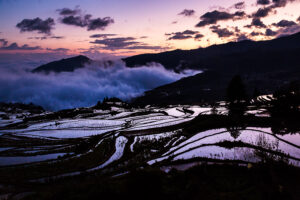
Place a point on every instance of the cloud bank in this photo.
(83, 87)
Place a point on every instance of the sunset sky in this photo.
(127, 27)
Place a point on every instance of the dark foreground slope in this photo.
(64, 65)
(202, 182)
(265, 65)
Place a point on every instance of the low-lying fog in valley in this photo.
(84, 86)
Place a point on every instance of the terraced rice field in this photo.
(120, 139)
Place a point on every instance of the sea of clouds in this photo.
(83, 87)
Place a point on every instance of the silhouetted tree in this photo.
(236, 91)
(236, 95)
(287, 100)
(234, 131)
(286, 109)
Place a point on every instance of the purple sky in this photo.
(104, 28)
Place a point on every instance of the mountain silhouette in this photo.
(64, 65)
(245, 55)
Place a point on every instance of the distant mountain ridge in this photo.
(64, 65)
(216, 56)
(265, 65)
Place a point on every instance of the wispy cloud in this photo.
(240, 5)
(215, 16)
(102, 35)
(187, 34)
(15, 46)
(121, 43)
(58, 49)
(270, 32)
(285, 23)
(36, 24)
(45, 37)
(77, 18)
(187, 12)
(221, 32)
(3, 42)
(257, 23)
